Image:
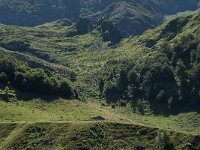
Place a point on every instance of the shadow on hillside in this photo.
(25, 96)
(163, 110)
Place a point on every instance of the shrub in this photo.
(163, 140)
(7, 94)
(3, 78)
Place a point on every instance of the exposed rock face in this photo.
(108, 31)
(105, 27)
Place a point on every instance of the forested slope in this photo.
(165, 76)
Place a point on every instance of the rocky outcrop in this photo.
(83, 26)
(108, 31)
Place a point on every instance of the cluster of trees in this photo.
(7, 94)
(166, 79)
(37, 81)
(108, 31)
(83, 26)
(184, 55)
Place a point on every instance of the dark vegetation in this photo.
(16, 75)
(22, 46)
(16, 45)
(108, 31)
(166, 79)
(83, 26)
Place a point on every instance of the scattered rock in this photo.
(98, 118)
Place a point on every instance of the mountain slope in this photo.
(134, 17)
(164, 72)
(158, 69)
(31, 13)
(140, 93)
(131, 16)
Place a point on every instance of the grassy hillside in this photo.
(131, 16)
(158, 69)
(49, 46)
(93, 136)
(61, 110)
(145, 88)
(64, 124)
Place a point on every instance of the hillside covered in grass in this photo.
(131, 16)
(66, 85)
(87, 135)
(159, 69)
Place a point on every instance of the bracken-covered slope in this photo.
(92, 136)
(158, 69)
(131, 16)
